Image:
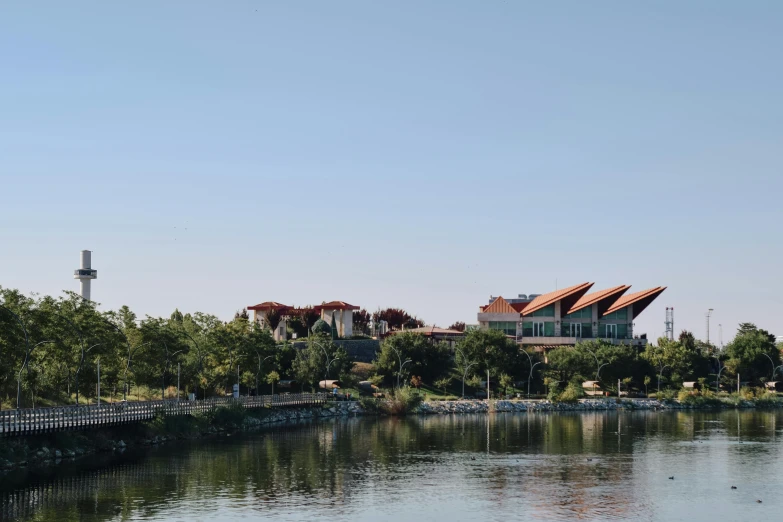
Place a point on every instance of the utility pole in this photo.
(99, 381)
(178, 368)
(720, 336)
(709, 313)
(487, 385)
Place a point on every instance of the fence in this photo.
(60, 418)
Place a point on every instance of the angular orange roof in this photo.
(639, 300)
(269, 305)
(569, 295)
(499, 306)
(595, 297)
(336, 305)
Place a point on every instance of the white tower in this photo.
(85, 274)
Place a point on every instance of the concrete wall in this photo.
(343, 319)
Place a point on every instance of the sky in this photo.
(415, 154)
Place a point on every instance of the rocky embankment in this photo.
(474, 406)
(337, 409)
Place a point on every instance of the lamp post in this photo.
(400, 372)
(328, 360)
(166, 365)
(260, 362)
(720, 369)
(530, 377)
(25, 365)
(774, 368)
(660, 373)
(131, 352)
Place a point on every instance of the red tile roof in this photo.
(572, 293)
(594, 297)
(336, 305)
(639, 300)
(499, 306)
(269, 305)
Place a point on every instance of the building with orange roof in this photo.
(340, 311)
(564, 317)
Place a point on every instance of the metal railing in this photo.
(60, 418)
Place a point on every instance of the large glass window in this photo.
(507, 327)
(587, 330)
(547, 311)
(619, 315)
(607, 331)
(527, 329)
(622, 331)
(584, 313)
(549, 329)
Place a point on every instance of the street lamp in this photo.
(530, 378)
(720, 369)
(328, 360)
(260, 362)
(400, 372)
(774, 368)
(131, 352)
(25, 365)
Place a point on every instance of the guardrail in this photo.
(60, 418)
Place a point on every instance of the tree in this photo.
(271, 378)
(321, 327)
(429, 360)
(459, 326)
(242, 314)
(361, 321)
(416, 381)
(397, 318)
(492, 350)
(505, 381)
(443, 383)
(752, 353)
(273, 318)
(333, 328)
(321, 359)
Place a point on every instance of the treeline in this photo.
(753, 355)
(51, 349)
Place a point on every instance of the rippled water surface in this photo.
(581, 466)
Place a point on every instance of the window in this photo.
(619, 315)
(587, 330)
(527, 329)
(547, 311)
(584, 313)
(607, 331)
(622, 331)
(549, 329)
(507, 327)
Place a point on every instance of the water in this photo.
(498, 467)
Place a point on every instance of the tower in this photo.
(670, 323)
(709, 314)
(85, 274)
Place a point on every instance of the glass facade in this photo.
(507, 327)
(619, 315)
(547, 311)
(576, 329)
(613, 331)
(584, 313)
(538, 329)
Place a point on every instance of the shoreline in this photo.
(54, 448)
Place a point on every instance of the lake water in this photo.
(581, 466)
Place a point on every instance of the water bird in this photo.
(733, 487)
(671, 478)
(472, 458)
(589, 460)
(758, 500)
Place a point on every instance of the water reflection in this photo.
(543, 466)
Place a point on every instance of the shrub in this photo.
(554, 392)
(404, 401)
(572, 393)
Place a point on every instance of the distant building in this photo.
(566, 316)
(340, 310)
(779, 339)
(433, 333)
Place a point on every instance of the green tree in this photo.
(493, 351)
(752, 353)
(310, 363)
(428, 360)
(271, 378)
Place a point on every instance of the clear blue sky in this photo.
(415, 154)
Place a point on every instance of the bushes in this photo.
(401, 402)
(572, 393)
